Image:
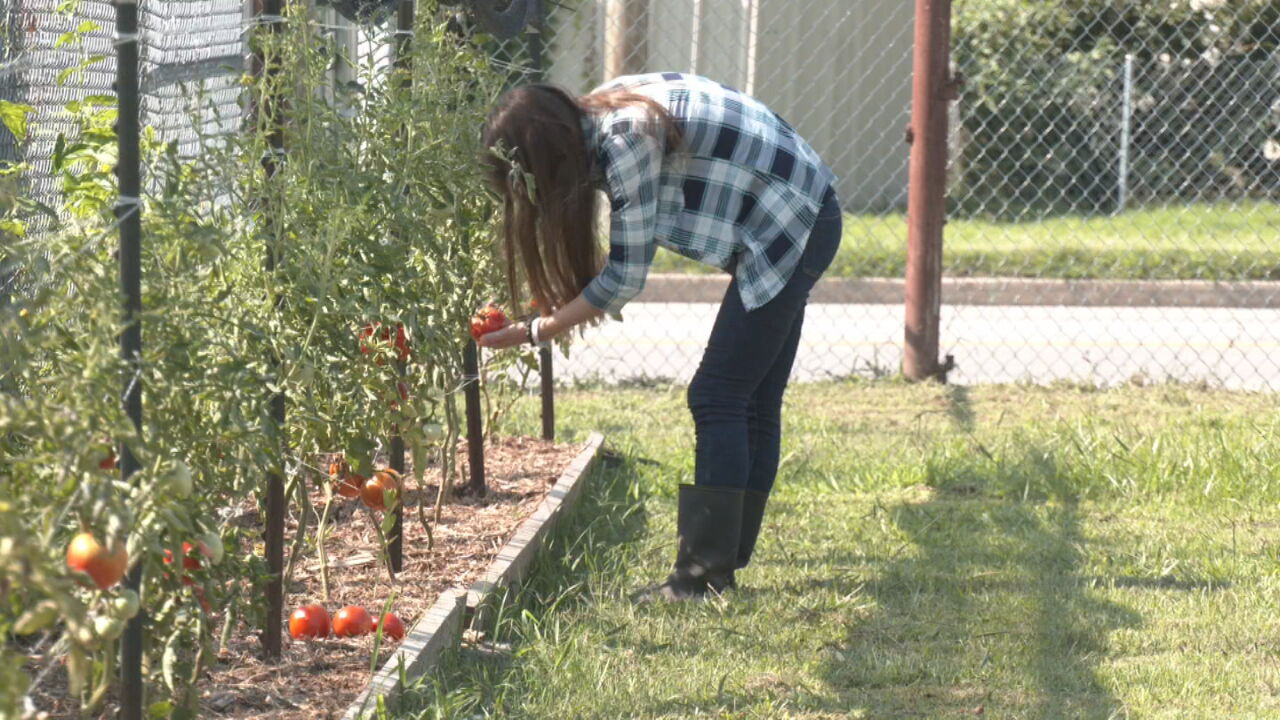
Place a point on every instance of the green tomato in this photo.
(180, 480)
(108, 628)
(125, 605)
(432, 432)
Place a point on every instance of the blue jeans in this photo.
(736, 394)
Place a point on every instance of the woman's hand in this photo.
(576, 312)
(508, 337)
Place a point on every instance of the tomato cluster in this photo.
(311, 622)
(486, 320)
(401, 344)
(377, 492)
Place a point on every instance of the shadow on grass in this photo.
(590, 543)
(980, 602)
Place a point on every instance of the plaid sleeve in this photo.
(633, 162)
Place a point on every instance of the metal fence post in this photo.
(128, 212)
(546, 365)
(625, 31)
(403, 39)
(1126, 129)
(932, 87)
(475, 421)
(268, 13)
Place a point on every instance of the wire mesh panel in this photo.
(193, 59)
(1114, 188)
(9, 60)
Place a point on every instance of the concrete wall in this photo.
(838, 70)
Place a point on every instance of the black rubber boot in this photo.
(753, 504)
(709, 527)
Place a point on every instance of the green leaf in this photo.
(13, 227)
(59, 157)
(84, 28)
(77, 69)
(14, 117)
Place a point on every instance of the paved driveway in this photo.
(1235, 348)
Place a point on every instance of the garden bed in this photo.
(321, 678)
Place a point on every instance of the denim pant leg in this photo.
(766, 425)
(766, 404)
(736, 394)
(742, 348)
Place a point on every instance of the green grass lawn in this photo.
(930, 551)
(1220, 241)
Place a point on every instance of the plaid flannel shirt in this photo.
(741, 193)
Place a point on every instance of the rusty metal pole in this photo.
(546, 363)
(475, 421)
(932, 88)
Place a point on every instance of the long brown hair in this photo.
(535, 132)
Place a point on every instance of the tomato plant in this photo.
(380, 221)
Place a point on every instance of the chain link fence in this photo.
(1114, 189)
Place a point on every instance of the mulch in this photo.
(319, 679)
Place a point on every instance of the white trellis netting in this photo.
(192, 57)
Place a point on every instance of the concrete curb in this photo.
(511, 565)
(435, 632)
(441, 627)
(675, 288)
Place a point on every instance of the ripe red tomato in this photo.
(486, 320)
(104, 566)
(188, 562)
(392, 626)
(401, 344)
(309, 621)
(351, 485)
(374, 491)
(346, 483)
(352, 621)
